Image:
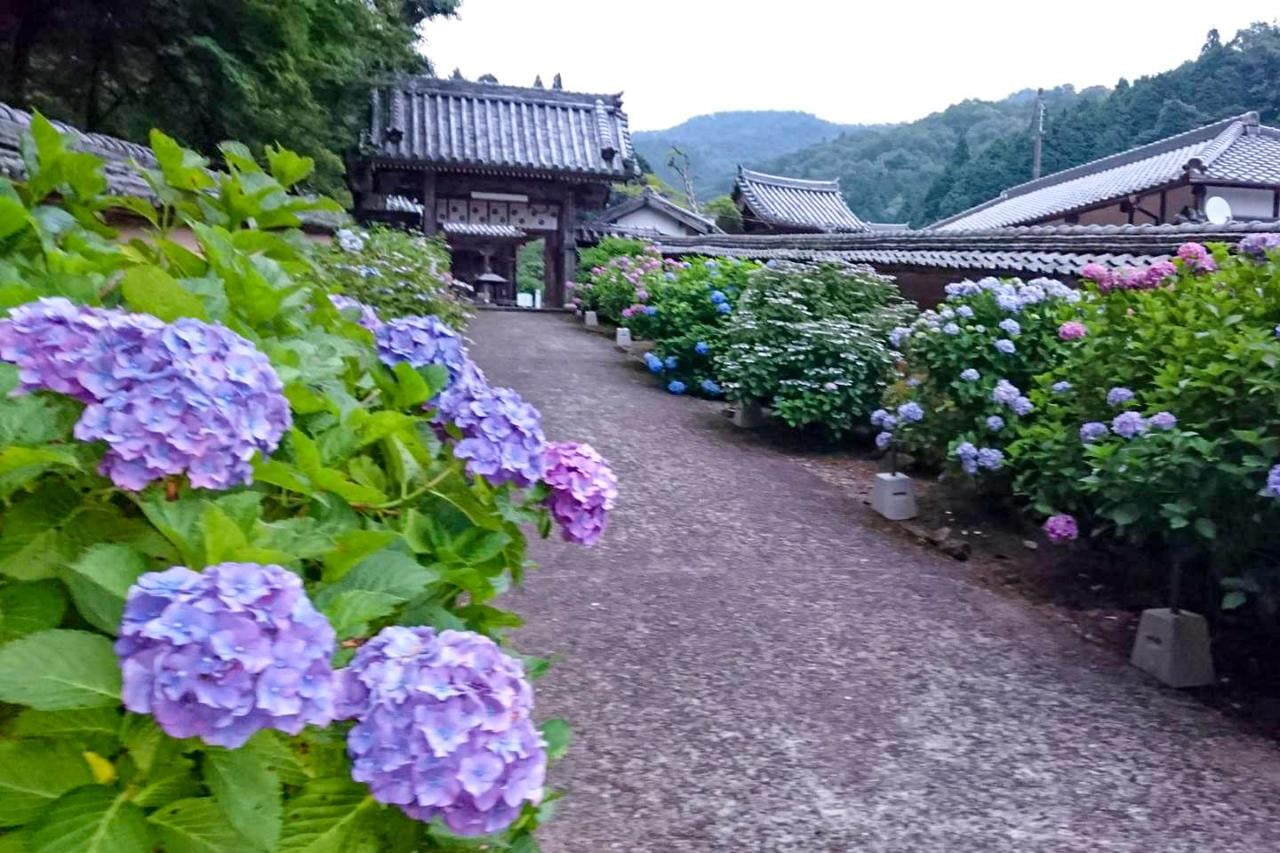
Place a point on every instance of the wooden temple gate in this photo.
(491, 167)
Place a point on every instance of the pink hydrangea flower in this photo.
(1196, 257)
(1099, 274)
(1072, 330)
(1061, 528)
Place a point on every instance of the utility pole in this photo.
(679, 161)
(1037, 135)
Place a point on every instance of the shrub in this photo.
(1168, 432)
(595, 261)
(968, 368)
(812, 343)
(397, 273)
(367, 509)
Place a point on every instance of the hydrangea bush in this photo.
(220, 479)
(812, 342)
(969, 364)
(1160, 425)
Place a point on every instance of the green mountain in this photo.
(717, 143)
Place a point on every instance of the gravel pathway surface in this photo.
(752, 662)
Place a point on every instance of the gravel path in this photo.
(751, 662)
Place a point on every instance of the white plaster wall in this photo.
(1245, 203)
(647, 217)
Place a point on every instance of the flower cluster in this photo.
(443, 728)
(186, 397)
(1129, 424)
(583, 489)
(225, 652)
(1061, 528)
(1092, 431)
(349, 241)
(1119, 396)
(972, 458)
(1196, 258)
(1273, 482)
(419, 342)
(1130, 278)
(1257, 245)
(1072, 330)
(502, 438)
(364, 314)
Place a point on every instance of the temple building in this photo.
(771, 204)
(1222, 172)
(651, 212)
(491, 167)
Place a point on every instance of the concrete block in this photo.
(893, 497)
(622, 338)
(590, 319)
(1174, 647)
(748, 414)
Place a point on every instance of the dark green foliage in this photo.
(531, 266)
(398, 274)
(728, 217)
(296, 72)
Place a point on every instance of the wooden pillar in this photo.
(568, 266)
(429, 225)
(552, 279)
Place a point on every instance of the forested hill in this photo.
(717, 143)
(945, 163)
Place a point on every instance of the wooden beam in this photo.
(429, 203)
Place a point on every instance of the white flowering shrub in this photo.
(812, 342)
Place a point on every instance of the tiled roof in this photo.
(480, 229)
(792, 203)
(488, 127)
(123, 178)
(1236, 150)
(649, 198)
(1043, 249)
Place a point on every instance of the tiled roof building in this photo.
(778, 205)
(1237, 159)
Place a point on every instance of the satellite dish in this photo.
(1217, 209)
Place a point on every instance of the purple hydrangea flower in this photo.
(970, 375)
(1273, 482)
(995, 423)
(1092, 431)
(1061, 528)
(1197, 257)
(225, 652)
(166, 399)
(1163, 421)
(964, 311)
(1005, 393)
(990, 458)
(1022, 406)
(1257, 245)
(443, 728)
(1128, 424)
(878, 416)
(1072, 330)
(1005, 346)
(365, 314)
(419, 342)
(951, 329)
(883, 440)
(502, 438)
(1010, 327)
(1097, 273)
(1119, 396)
(583, 489)
(968, 456)
(1061, 387)
(1009, 301)
(911, 412)
(898, 335)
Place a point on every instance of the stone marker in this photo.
(590, 319)
(1174, 647)
(622, 338)
(893, 497)
(748, 414)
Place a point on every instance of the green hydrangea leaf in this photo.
(93, 819)
(59, 670)
(29, 607)
(34, 773)
(196, 825)
(99, 581)
(325, 817)
(247, 789)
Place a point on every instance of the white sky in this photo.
(846, 61)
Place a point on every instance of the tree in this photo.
(296, 72)
(726, 214)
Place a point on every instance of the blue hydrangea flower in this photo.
(995, 423)
(701, 348)
(651, 310)
(669, 276)
(1119, 396)
(225, 652)
(443, 728)
(652, 362)
(710, 264)
(968, 456)
(718, 297)
(1022, 406)
(670, 362)
(502, 437)
(990, 458)
(1005, 393)
(1163, 421)
(878, 416)
(884, 439)
(724, 308)
(951, 329)
(911, 412)
(1273, 482)
(1092, 431)
(675, 386)
(1005, 346)
(1009, 302)
(1128, 424)
(419, 342)
(1061, 387)
(1010, 327)
(964, 311)
(898, 335)
(711, 387)
(970, 375)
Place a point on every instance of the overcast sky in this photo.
(846, 61)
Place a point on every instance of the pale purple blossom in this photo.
(502, 437)
(970, 375)
(990, 458)
(1060, 387)
(225, 652)
(911, 412)
(1061, 528)
(1022, 406)
(1010, 327)
(1163, 421)
(583, 490)
(884, 439)
(1257, 245)
(1273, 482)
(1118, 396)
(1072, 330)
(1005, 392)
(1128, 424)
(443, 728)
(1092, 431)
(995, 423)
(1005, 346)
